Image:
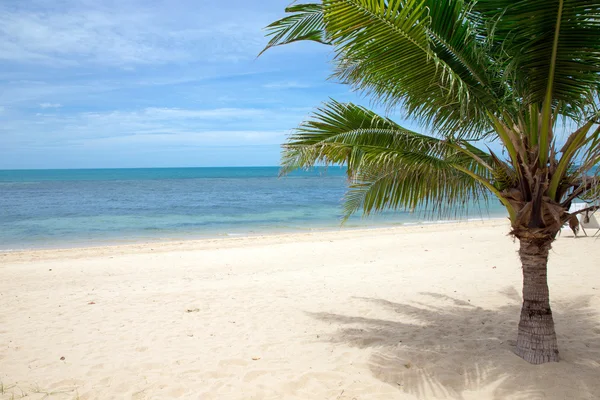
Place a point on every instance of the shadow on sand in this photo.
(442, 347)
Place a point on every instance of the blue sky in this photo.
(152, 83)
(135, 83)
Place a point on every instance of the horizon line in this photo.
(109, 168)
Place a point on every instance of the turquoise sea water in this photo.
(71, 208)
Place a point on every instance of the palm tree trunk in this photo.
(536, 341)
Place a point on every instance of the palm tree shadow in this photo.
(442, 347)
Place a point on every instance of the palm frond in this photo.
(421, 55)
(429, 184)
(389, 166)
(524, 30)
(574, 145)
(305, 23)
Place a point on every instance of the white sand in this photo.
(419, 312)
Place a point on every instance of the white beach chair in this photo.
(589, 220)
(574, 207)
(577, 206)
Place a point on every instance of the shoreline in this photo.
(195, 243)
(248, 231)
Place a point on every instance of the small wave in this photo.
(18, 183)
(443, 221)
(484, 219)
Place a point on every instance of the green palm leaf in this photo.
(402, 54)
(444, 67)
(305, 23)
(389, 166)
(525, 30)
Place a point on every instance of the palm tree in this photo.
(523, 74)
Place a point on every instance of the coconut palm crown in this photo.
(521, 73)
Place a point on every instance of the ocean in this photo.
(90, 207)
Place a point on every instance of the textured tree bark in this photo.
(536, 340)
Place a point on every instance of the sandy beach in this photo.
(418, 312)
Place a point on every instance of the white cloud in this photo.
(41, 87)
(123, 35)
(286, 85)
(50, 105)
(152, 127)
(217, 113)
(187, 138)
(70, 38)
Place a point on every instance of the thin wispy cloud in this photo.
(152, 126)
(184, 139)
(123, 35)
(286, 85)
(50, 105)
(218, 113)
(77, 37)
